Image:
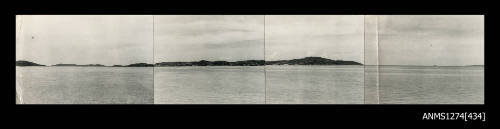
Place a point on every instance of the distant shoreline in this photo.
(277, 65)
(307, 61)
(302, 61)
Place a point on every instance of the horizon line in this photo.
(257, 60)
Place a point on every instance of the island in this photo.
(88, 65)
(302, 61)
(26, 63)
(312, 61)
(100, 65)
(139, 65)
(213, 63)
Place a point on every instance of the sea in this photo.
(431, 84)
(271, 84)
(85, 85)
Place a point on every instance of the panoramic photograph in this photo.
(250, 59)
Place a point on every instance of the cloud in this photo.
(259, 43)
(329, 36)
(428, 25)
(431, 40)
(85, 39)
(212, 37)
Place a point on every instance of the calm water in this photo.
(315, 84)
(85, 85)
(247, 85)
(252, 85)
(431, 85)
(210, 85)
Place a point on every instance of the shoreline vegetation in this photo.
(302, 61)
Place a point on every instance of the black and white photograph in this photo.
(250, 59)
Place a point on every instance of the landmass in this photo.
(312, 61)
(88, 65)
(27, 63)
(302, 61)
(139, 65)
(100, 65)
(213, 63)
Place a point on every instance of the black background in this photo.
(240, 116)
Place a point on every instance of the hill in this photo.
(27, 63)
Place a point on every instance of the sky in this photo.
(84, 39)
(126, 39)
(209, 37)
(452, 40)
(337, 37)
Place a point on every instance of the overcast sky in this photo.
(338, 37)
(209, 37)
(122, 39)
(84, 39)
(431, 40)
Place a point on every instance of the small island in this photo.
(27, 63)
(138, 65)
(214, 63)
(100, 65)
(312, 61)
(88, 65)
